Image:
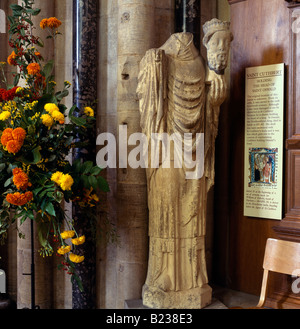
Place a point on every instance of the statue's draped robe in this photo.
(172, 97)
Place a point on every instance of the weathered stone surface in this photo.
(178, 97)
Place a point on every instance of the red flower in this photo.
(7, 95)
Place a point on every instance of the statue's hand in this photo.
(217, 90)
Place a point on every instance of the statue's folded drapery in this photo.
(177, 102)
(172, 100)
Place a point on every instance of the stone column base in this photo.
(195, 298)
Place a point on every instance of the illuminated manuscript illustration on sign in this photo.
(262, 166)
(264, 118)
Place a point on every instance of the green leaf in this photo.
(93, 182)
(33, 12)
(40, 43)
(61, 94)
(76, 165)
(48, 68)
(50, 209)
(58, 196)
(11, 20)
(28, 21)
(42, 232)
(96, 171)
(8, 182)
(72, 109)
(77, 121)
(84, 180)
(36, 155)
(78, 281)
(16, 7)
(102, 184)
(86, 167)
(37, 190)
(16, 79)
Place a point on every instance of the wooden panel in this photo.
(289, 228)
(257, 41)
(231, 2)
(294, 93)
(295, 163)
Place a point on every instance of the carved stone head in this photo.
(217, 39)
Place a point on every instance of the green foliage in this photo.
(28, 170)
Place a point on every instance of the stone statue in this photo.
(178, 97)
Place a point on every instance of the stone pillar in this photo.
(128, 30)
(3, 29)
(84, 91)
(4, 47)
(107, 122)
(62, 287)
(136, 34)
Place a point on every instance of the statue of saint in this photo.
(180, 97)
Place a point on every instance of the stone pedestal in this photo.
(137, 304)
(195, 298)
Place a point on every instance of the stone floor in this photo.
(232, 298)
(223, 298)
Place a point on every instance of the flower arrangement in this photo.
(37, 134)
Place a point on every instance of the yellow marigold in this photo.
(67, 234)
(89, 111)
(44, 23)
(19, 90)
(53, 23)
(33, 68)
(58, 116)
(56, 177)
(66, 182)
(4, 115)
(78, 241)
(51, 107)
(64, 250)
(20, 179)
(47, 120)
(75, 258)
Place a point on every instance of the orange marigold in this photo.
(33, 68)
(20, 179)
(11, 59)
(13, 146)
(6, 136)
(19, 199)
(44, 23)
(13, 139)
(19, 134)
(53, 23)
